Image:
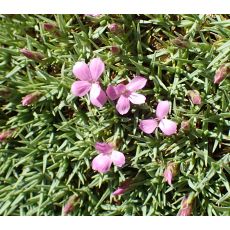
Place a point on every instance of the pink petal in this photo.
(96, 67)
(136, 83)
(81, 71)
(101, 163)
(137, 98)
(111, 92)
(104, 148)
(118, 158)
(97, 95)
(119, 191)
(162, 109)
(148, 126)
(168, 176)
(120, 88)
(168, 127)
(80, 88)
(123, 105)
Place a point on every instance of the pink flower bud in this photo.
(6, 134)
(30, 98)
(115, 50)
(170, 172)
(195, 97)
(37, 56)
(50, 27)
(185, 126)
(221, 73)
(122, 188)
(186, 205)
(69, 206)
(114, 28)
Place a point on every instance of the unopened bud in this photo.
(186, 205)
(114, 28)
(37, 56)
(170, 172)
(30, 98)
(221, 74)
(50, 27)
(195, 97)
(122, 188)
(115, 49)
(6, 134)
(180, 42)
(69, 206)
(185, 126)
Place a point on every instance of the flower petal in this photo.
(137, 98)
(162, 109)
(168, 176)
(111, 92)
(148, 126)
(118, 158)
(123, 105)
(96, 67)
(81, 71)
(80, 88)
(120, 88)
(119, 191)
(168, 127)
(104, 148)
(136, 83)
(97, 95)
(101, 163)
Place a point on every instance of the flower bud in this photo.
(37, 56)
(122, 188)
(180, 42)
(195, 97)
(115, 49)
(6, 134)
(50, 27)
(30, 98)
(170, 172)
(185, 126)
(114, 28)
(186, 205)
(221, 73)
(69, 206)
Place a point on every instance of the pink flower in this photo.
(170, 172)
(89, 75)
(168, 127)
(127, 93)
(107, 156)
(195, 97)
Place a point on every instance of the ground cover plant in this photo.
(114, 115)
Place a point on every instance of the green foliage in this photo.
(48, 159)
